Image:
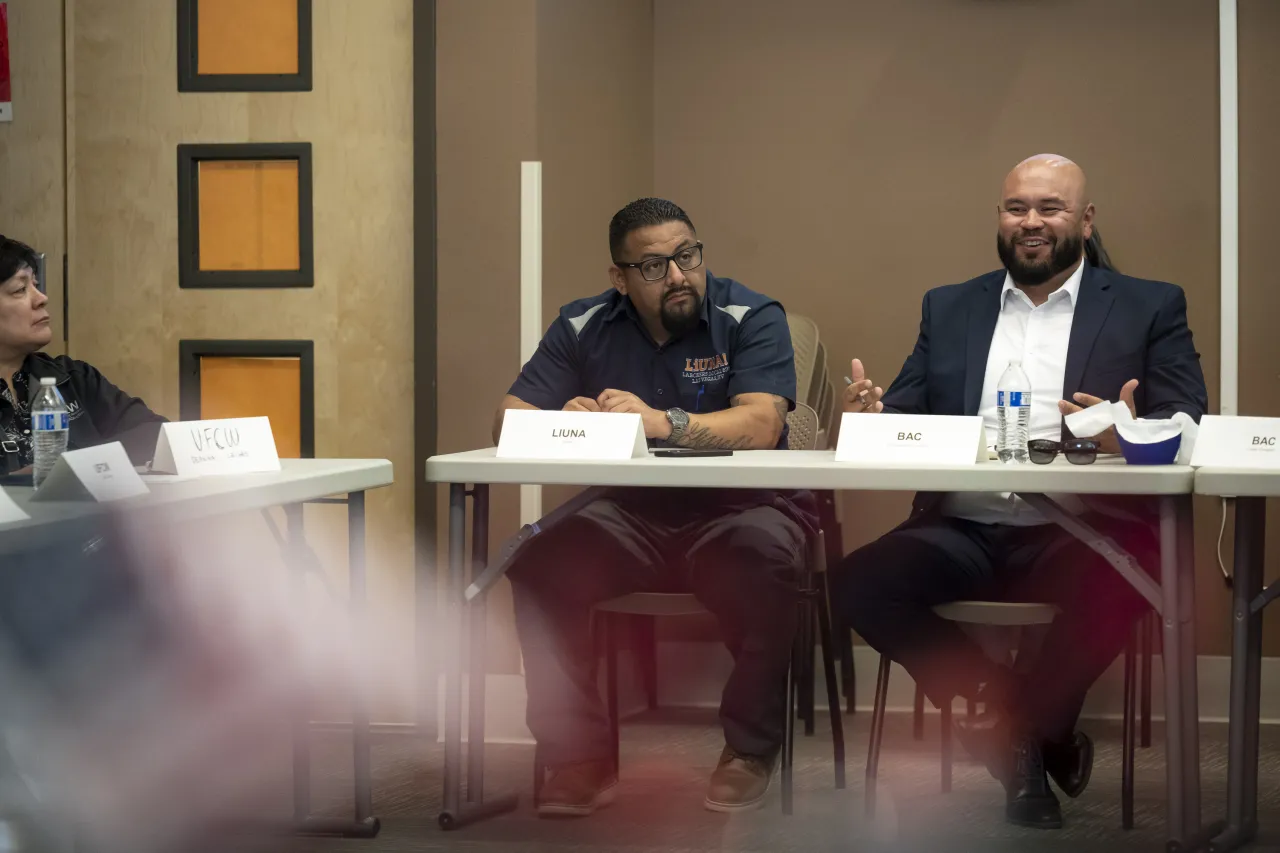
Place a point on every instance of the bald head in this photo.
(1051, 172)
(1044, 219)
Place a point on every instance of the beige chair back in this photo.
(802, 428)
(804, 341)
(813, 393)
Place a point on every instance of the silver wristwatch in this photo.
(679, 420)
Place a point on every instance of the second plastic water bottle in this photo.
(1013, 414)
(50, 426)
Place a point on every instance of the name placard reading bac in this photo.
(911, 439)
(103, 473)
(229, 446)
(1237, 442)
(593, 436)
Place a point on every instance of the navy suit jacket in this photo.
(1123, 328)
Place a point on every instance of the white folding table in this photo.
(300, 481)
(1170, 485)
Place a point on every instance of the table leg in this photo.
(1246, 677)
(302, 716)
(477, 617)
(458, 623)
(300, 556)
(1182, 766)
(455, 622)
(1174, 760)
(1146, 648)
(1190, 666)
(361, 741)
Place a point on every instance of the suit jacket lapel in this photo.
(1093, 303)
(983, 314)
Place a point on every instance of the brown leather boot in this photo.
(739, 782)
(577, 790)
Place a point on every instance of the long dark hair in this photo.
(1096, 253)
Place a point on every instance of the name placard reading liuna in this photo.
(229, 446)
(911, 439)
(599, 436)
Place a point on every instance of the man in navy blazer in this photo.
(1082, 334)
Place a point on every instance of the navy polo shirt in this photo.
(741, 346)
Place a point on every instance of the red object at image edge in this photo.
(6, 90)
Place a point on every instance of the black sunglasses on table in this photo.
(1079, 451)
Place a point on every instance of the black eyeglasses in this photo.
(1079, 451)
(655, 269)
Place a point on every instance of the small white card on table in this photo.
(10, 511)
(1232, 442)
(103, 473)
(230, 446)
(911, 439)
(591, 436)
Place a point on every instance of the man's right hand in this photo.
(582, 404)
(862, 395)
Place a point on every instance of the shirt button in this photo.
(659, 392)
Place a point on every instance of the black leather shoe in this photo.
(1070, 763)
(1030, 801)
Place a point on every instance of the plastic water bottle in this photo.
(1013, 413)
(50, 423)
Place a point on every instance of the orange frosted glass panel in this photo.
(249, 215)
(256, 387)
(247, 37)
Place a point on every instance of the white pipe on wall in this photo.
(530, 297)
(1229, 199)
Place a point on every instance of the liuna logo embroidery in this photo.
(706, 369)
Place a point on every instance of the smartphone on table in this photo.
(689, 452)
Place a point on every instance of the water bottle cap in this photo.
(48, 381)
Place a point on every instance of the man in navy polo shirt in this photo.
(706, 363)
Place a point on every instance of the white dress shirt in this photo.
(1037, 336)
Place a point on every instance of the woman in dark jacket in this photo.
(99, 411)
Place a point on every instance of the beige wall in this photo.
(130, 313)
(845, 157)
(566, 82)
(32, 168)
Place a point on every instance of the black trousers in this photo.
(741, 563)
(886, 591)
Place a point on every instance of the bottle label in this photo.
(50, 421)
(1016, 399)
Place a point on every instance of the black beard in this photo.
(677, 322)
(1065, 254)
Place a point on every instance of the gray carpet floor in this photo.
(667, 756)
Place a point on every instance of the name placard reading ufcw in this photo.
(598, 436)
(912, 439)
(230, 446)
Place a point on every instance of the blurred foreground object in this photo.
(147, 677)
